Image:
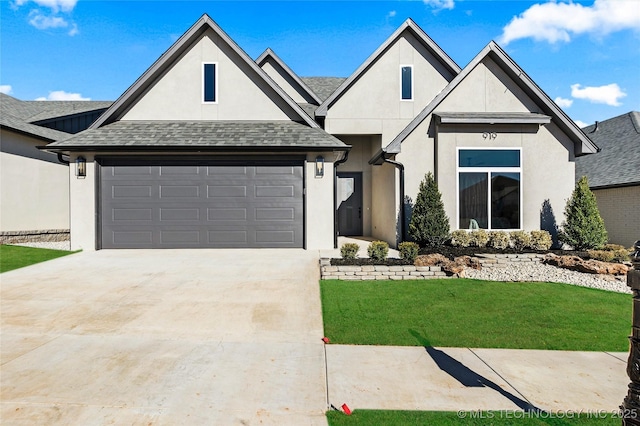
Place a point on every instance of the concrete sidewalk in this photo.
(452, 379)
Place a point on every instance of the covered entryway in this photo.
(196, 203)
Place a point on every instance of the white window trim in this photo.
(412, 85)
(489, 170)
(215, 78)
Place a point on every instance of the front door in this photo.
(349, 194)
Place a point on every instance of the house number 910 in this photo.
(489, 135)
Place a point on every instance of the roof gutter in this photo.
(62, 160)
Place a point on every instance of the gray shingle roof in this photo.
(244, 135)
(618, 162)
(323, 87)
(32, 111)
(10, 121)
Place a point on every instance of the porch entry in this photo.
(349, 201)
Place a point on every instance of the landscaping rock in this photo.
(434, 259)
(575, 263)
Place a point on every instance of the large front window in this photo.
(489, 189)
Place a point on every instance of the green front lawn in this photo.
(475, 314)
(444, 418)
(14, 257)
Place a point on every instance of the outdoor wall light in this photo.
(81, 167)
(319, 166)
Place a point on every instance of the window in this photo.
(406, 82)
(210, 82)
(489, 189)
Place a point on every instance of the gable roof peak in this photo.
(422, 37)
(582, 143)
(156, 70)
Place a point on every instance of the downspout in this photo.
(400, 167)
(335, 200)
(62, 160)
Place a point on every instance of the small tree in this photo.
(583, 228)
(429, 224)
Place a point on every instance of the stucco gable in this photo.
(493, 82)
(171, 88)
(411, 31)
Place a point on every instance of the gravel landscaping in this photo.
(535, 271)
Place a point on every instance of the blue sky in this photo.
(585, 55)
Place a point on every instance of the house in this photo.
(211, 149)
(34, 184)
(614, 175)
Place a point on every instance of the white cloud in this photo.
(54, 5)
(609, 94)
(581, 124)
(440, 4)
(563, 103)
(61, 95)
(51, 18)
(6, 89)
(43, 22)
(391, 14)
(558, 21)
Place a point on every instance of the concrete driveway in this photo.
(164, 337)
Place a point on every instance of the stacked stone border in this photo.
(410, 272)
(37, 236)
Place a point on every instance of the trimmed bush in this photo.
(408, 251)
(584, 228)
(520, 240)
(618, 256)
(378, 250)
(499, 240)
(613, 247)
(429, 224)
(460, 238)
(541, 240)
(349, 250)
(478, 238)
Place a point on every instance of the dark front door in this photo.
(349, 195)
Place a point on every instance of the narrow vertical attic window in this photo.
(406, 82)
(209, 83)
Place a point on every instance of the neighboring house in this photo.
(614, 175)
(34, 185)
(211, 149)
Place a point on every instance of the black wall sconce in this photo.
(81, 167)
(319, 166)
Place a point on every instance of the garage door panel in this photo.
(174, 206)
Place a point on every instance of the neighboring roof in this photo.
(491, 118)
(417, 32)
(270, 54)
(33, 111)
(146, 80)
(10, 121)
(618, 162)
(323, 86)
(583, 145)
(200, 135)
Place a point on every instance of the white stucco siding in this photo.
(83, 206)
(547, 173)
(177, 95)
(384, 199)
(487, 89)
(34, 186)
(375, 97)
(278, 75)
(319, 204)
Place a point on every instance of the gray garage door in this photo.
(190, 205)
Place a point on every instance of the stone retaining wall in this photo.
(378, 272)
(39, 236)
(410, 272)
(505, 260)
